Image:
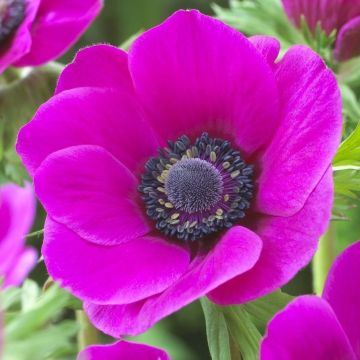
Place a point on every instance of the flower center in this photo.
(193, 185)
(193, 190)
(12, 13)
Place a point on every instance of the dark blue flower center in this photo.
(193, 185)
(194, 190)
(12, 13)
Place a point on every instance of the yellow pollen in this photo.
(161, 189)
(226, 165)
(164, 174)
(161, 201)
(226, 197)
(169, 205)
(219, 212)
(189, 153)
(160, 179)
(175, 216)
(235, 173)
(213, 156)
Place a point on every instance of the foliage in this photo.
(234, 332)
(35, 327)
(21, 93)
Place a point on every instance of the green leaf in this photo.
(216, 330)
(349, 72)
(268, 17)
(351, 109)
(34, 325)
(255, 17)
(347, 183)
(348, 153)
(346, 166)
(50, 343)
(49, 303)
(243, 332)
(264, 308)
(233, 331)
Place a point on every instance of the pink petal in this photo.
(107, 65)
(288, 245)
(268, 46)
(21, 41)
(342, 291)
(59, 24)
(20, 268)
(17, 212)
(347, 41)
(236, 252)
(193, 74)
(111, 274)
(123, 350)
(308, 136)
(89, 116)
(92, 193)
(306, 329)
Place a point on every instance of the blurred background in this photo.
(182, 334)
(121, 19)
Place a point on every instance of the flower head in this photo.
(17, 210)
(33, 32)
(192, 165)
(317, 328)
(123, 350)
(342, 16)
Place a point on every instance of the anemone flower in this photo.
(123, 350)
(321, 328)
(17, 210)
(340, 15)
(192, 165)
(33, 32)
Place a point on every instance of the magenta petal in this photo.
(236, 252)
(194, 73)
(21, 41)
(92, 193)
(111, 274)
(308, 136)
(342, 291)
(17, 212)
(123, 350)
(332, 14)
(288, 245)
(347, 41)
(59, 23)
(306, 329)
(109, 118)
(107, 65)
(20, 268)
(268, 46)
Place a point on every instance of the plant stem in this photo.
(323, 259)
(87, 334)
